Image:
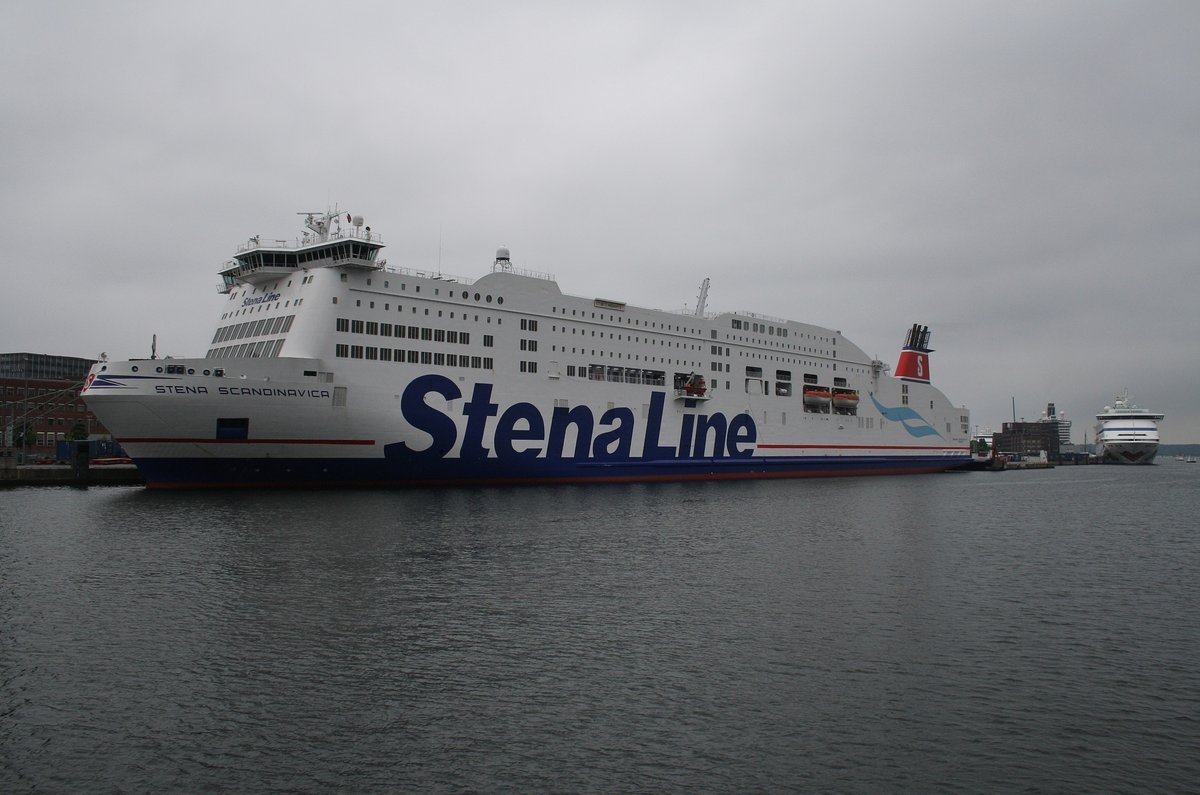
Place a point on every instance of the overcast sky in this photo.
(1023, 177)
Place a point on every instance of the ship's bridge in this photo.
(325, 245)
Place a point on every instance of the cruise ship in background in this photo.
(1127, 433)
(329, 368)
(1064, 427)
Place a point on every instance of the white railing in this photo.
(311, 239)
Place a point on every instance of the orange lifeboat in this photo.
(817, 396)
(845, 398)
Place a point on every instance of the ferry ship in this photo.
(1126, 433)
(327, 367)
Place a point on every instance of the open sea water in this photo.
(1026, 631)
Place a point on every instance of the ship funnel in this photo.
(914, 358)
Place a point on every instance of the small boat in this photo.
(691, 387)
(817, 396)
(845, 398)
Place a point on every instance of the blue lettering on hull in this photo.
(521, 434)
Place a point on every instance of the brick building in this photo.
(1028, 438)
(40, 404)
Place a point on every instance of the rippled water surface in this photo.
(1018, 631)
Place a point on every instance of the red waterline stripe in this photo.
(168, 440)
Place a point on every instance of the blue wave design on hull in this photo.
(903, 415)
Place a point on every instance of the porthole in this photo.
(206, 372)
(499, 299)
(191, 371)
(134, 368)
(476, 296)
(489, 299)
(158, 369)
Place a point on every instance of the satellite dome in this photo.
(502, 253)
(358, 220)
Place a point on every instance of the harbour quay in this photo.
(76, 474)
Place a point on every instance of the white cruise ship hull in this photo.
(277, 427)
(1127, 433)
(329, 369)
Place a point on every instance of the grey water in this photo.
(1031, 631)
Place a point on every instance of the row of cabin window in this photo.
(400, 355)
(266, 349)
(784, 375)
(759, 328)
(629, 321)
(436, 291)
(740, 325)
(620, 375)
(410, 332)
(612, 335)
(267, 326)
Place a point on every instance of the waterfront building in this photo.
(1027, 438)
(40, 404)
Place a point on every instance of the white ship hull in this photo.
(1127, 434)
(369, 376)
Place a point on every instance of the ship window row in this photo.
(400, 308)
(409, 356)
(249, 310)
(630, 357)
(630, 338)
(466, 295)
(717, 349)
(761, 343)
(266, 327)
(619, 375)
(621, 337)
(264, 349)
(301, 259)
(374, 328)
(629, 321)
(759, 328)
